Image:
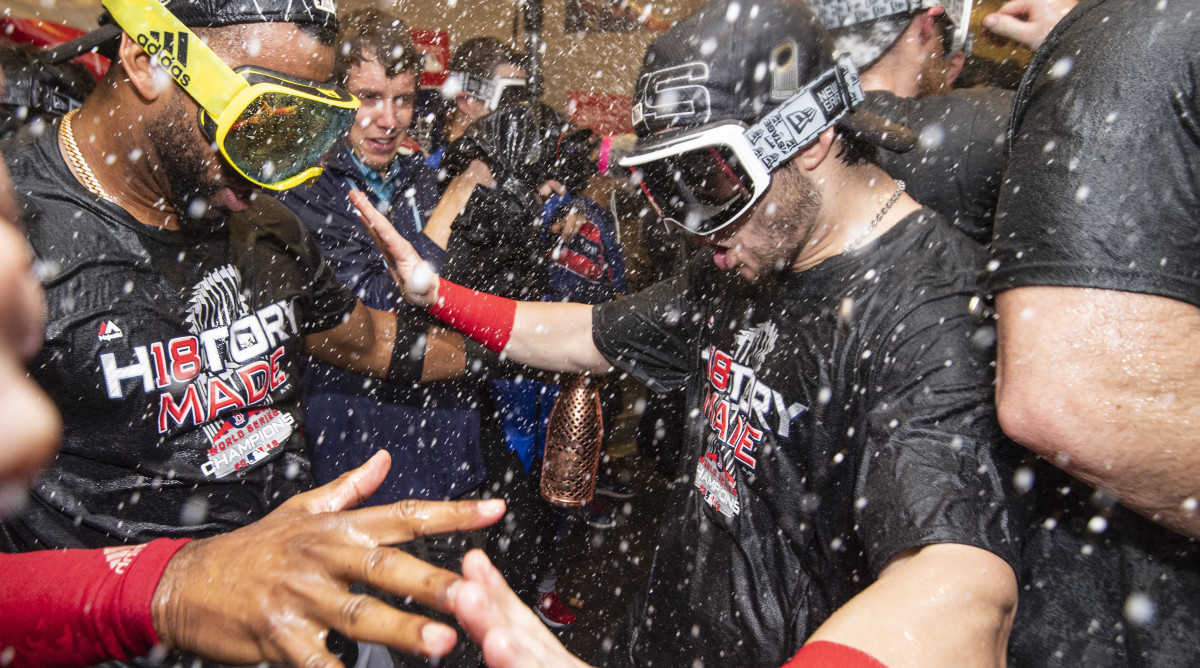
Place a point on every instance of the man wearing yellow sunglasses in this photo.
(181, 300)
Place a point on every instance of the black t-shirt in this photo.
(174, 360)
(955, 168)
(1103, 191)
(838, 417)
(1102, 188)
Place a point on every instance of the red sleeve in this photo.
(823, 653)
(80, 607)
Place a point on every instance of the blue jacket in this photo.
(431, 430)
(589, 268)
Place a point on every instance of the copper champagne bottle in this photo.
(573, 443)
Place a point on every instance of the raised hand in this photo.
(269, 592)
(1027, 22)
(414, 276)
(509, 632)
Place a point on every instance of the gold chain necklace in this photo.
(66, 134)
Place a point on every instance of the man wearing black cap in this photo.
(842, 487)
(181, 300)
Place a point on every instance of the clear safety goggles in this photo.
(272, 128)
(703, 179)
(492, 92)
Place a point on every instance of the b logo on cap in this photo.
(673, 96)
(328, 6)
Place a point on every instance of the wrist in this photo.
(164, 606)
(820, 653)
(483, 317)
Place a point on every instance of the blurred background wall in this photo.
(600, 53)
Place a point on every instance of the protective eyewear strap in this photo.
(842, 13)
(192, 65)
(477, 86)
(797, 122)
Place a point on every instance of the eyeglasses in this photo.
(703, 179)
(272, 128)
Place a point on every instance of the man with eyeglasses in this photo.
(909, 55)
(843, 483)
(181, 301)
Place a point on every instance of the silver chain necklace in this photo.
(858, 241)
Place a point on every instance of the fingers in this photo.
(405, 520)
(1009, 27)
(401, 258)
(378, 226)
(349, 490)
(367, 619)
(480, 617)
(303, 646)
(393, 571)
(508, 630)
(1027, 22)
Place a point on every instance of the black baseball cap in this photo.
(207, 14)
(738, 60)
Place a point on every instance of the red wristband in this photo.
(80, 607)
(823, 653)
(486, 318)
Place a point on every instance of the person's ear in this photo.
(147, 78)
(815, 154)
(954, 67)
(927, 24)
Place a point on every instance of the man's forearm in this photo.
(943, 605)
(553, 336)
(1106, 386)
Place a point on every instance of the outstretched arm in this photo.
(266, 593)
(546, 335)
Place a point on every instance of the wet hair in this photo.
(481, 55)
(373, 34)
(856, 150)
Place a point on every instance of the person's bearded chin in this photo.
(185, 164)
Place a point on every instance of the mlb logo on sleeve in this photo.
(109, 331)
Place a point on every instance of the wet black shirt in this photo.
(1102, 190)
(838, 417)
(174, 360)
(956, 166)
